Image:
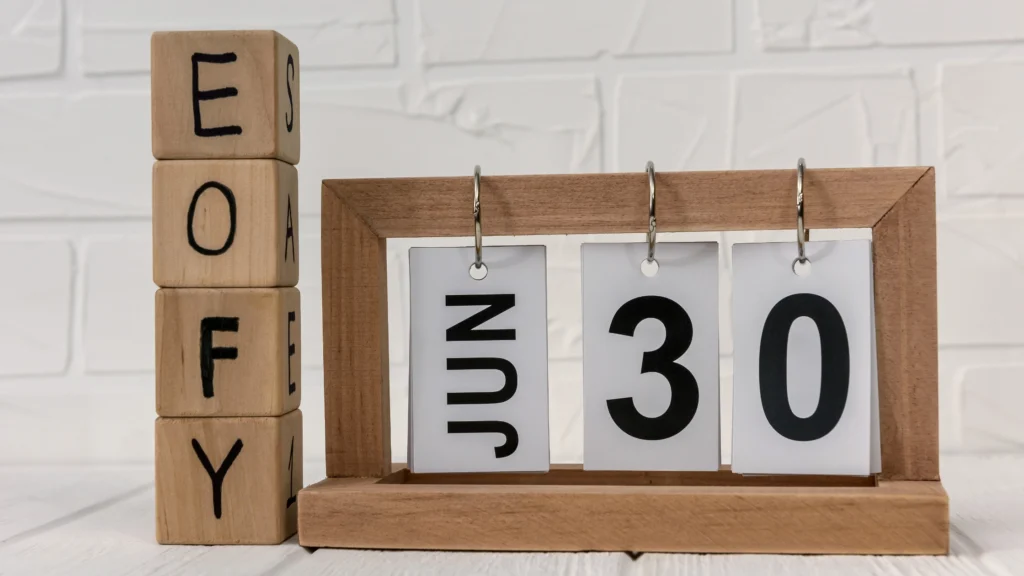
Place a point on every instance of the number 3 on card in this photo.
(650, 357)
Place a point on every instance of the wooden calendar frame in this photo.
(364, 503)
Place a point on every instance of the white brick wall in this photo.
(31, 38)
(809, 24)
(431, 87)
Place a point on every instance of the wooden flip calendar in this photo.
(366, 502)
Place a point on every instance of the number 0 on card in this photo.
(802, 367)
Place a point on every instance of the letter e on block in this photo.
(230, 352)
(225, 94)
(227, 480)
(225, 223)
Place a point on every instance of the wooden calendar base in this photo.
(569, 509)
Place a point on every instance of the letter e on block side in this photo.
(225, 94)
(234, 352)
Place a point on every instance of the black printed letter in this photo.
(497, 397)
(289, 233)
(230, 197)
(217, 476)
(201, 95)
(490, 426)
(291, 475)
(291, 352)
(289, 122)
(207, 353)
(495, 304)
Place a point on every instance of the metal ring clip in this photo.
(652, 225)
(801, 234)
(477, 270)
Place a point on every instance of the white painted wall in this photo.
(431, 87)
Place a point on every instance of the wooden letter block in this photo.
(228, 352)
(225, 223)
(225, 95)
(227, 480)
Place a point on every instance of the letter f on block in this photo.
(208, 353)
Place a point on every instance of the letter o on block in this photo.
(225, 224)
(190, 227)
(225, 94)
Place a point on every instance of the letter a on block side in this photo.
(225, 224)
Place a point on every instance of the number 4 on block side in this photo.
(228, 480)
(802, 365)
(650, 357)
(478, 361)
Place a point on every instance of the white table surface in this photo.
(99, 520)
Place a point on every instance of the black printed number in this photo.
(835, 367)
(678, 335)
(291, 476)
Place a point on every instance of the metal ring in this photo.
(801, 234)
(476, 217)
(652, 225)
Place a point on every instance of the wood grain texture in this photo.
(359, 214)
(571, 510)
(987, 507)
(355, 316)
(34, 497)
(264, 248)
(574, 475)
(892, 518)
(115, 536)
(265, 107)
(617, 203)
(90, 520)
(907, 334)
(264, 379)
(258, 484)
(347, 562)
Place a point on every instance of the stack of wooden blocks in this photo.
(225, 255)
